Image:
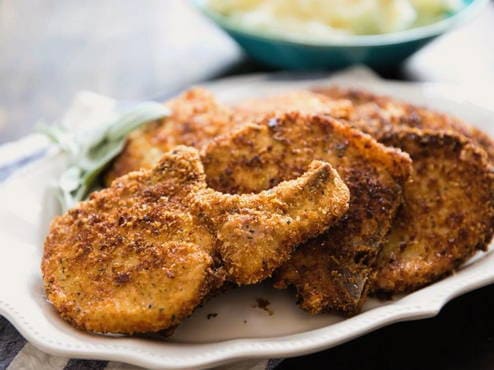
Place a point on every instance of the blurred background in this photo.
(127, 49)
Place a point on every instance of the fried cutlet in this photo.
(441, 223)
(196, 117)
(141, 255)
(302, 101)
(373, 114)
(378, 115)
(427, 255)
(447, 214)
(332, 271)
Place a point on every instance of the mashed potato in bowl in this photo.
(328, 19)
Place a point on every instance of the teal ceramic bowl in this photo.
(378, 51)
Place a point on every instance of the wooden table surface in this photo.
(50, 50)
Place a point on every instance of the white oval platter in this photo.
(240, 330)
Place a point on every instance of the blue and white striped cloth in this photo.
(17, 354)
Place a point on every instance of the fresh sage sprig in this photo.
(89, 152)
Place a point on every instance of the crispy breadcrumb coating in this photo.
(141, 255)
(331, 272)
(302, 101)
(419, 251)
(447, 214)
(196, 117)
(378, 115)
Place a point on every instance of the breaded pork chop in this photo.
(447, 214)
(141, 255)
(330, 272)
(302, 101)
(379, 115)
(196, 117)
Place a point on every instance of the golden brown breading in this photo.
(302, 101)
(332, 271)
(378, 115)
(141, 255)
(419, 253)
(195, 119)
(448, 210)
(373, 114)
